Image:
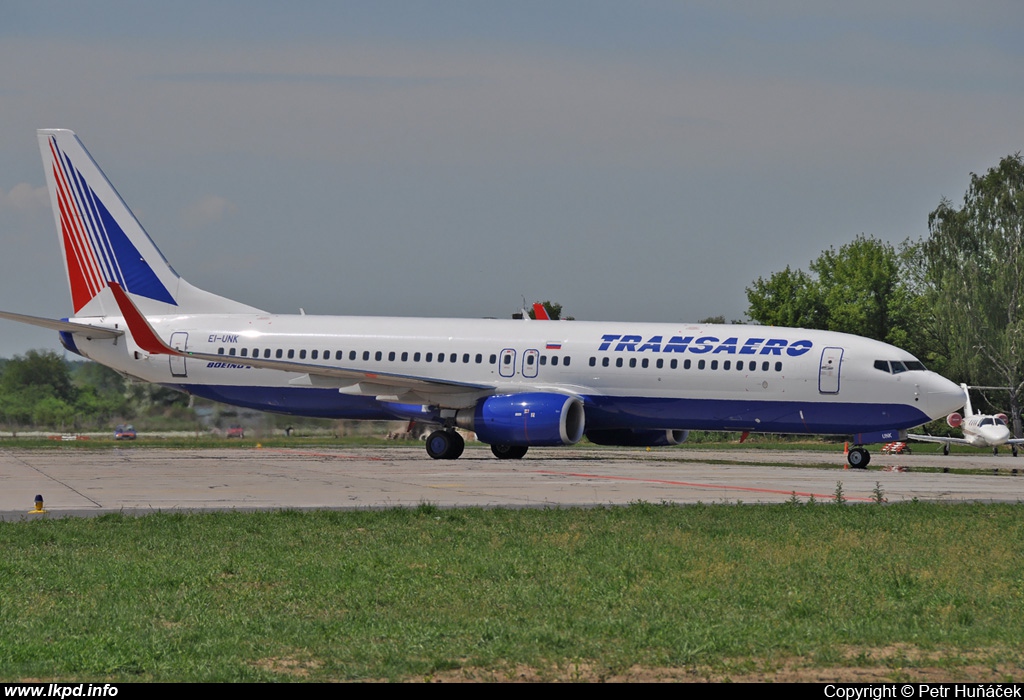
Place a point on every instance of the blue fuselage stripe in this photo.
(607, 412)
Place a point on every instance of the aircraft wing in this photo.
(66, 326)
(936, 438)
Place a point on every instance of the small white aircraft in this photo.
(980, 430)
(515, 384)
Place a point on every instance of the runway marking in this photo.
(36, 469)
(692, 484)
(304, 453)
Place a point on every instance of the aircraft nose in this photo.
(941, 396)
(996, 434)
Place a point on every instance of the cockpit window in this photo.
(987, 421)
(897, 367)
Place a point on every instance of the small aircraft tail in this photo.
(104, 243)
(968, 411)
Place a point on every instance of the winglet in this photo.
(142, 333)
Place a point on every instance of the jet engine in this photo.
(526, 419)
(627, 437)
(954, 420)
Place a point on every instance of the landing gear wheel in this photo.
(1013, 448)
(945, 449)
(509, 451)
(457, 447)
(995, 451)
(858, 458)
(445, 444)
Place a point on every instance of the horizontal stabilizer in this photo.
(65, 326)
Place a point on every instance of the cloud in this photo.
(24, 197)
(207, 210)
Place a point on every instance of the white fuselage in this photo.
(629, 375)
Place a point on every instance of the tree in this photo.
(973, 266)
(789, 298)
(861, 289)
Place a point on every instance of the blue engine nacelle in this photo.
(526, 419)
(627, 437)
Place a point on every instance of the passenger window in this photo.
(220, 351)
(674, 364)
(244, 352)
(593, 362)
(493, 359)
(565, 361)
(352, 354)
(700, 364)
(465, 358)
(644, 363)
(291, 353)
(686, 364)
(378, 356)
(231, 351)
(727, 365)
(778, 366)
(543, 359)
(416, 357)
(314, 355)
(618, 362)
(660, 363)
(391, 356)
(266, 353)
(479, 358)
(604, 361)
(339, 355)
(714, 364)
(366, 355)
(279, 353)
(302, 354)
(764, 366)
(405, 357)
(429, 356)
(454, 357)
(554, 359)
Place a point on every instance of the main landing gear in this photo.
(509, 451)
(858, 458)
(445, 444)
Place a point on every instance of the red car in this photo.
(124, 432)
(236, 431)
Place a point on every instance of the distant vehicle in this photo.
(896, 448)
(124, 432)
(980, 430)
(236, 431)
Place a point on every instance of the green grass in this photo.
(398, 594)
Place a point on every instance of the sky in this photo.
(644, 160)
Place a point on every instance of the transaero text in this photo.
(704, 344)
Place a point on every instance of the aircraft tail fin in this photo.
(104, 243)
(968, 411)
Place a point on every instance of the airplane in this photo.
(517, 385)
(980, 430)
